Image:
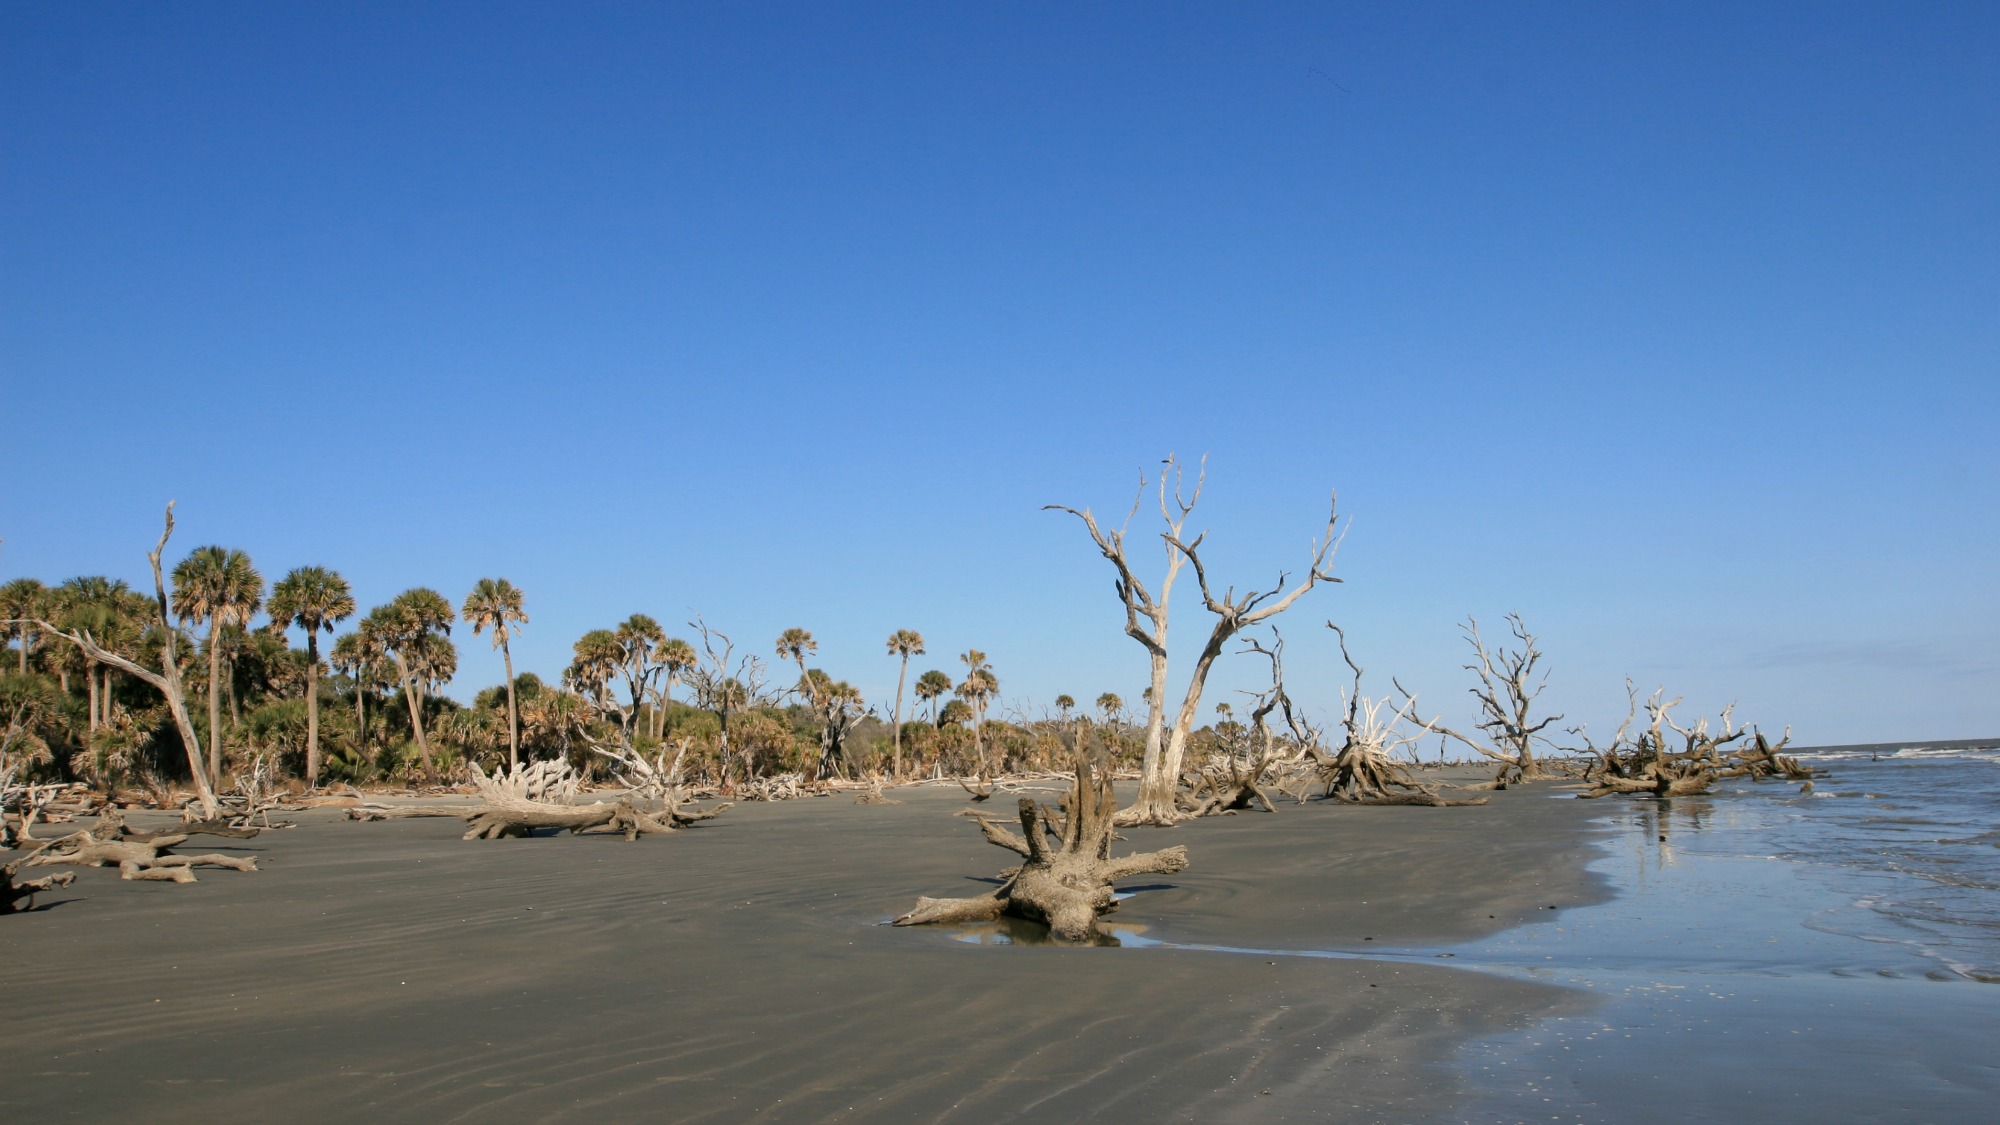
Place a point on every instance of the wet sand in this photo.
(738, 971)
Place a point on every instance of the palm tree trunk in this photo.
(513, 714)
(360, 717)
(900, 677)
(416, 710)
(90, 677)
(214, 702)
(22, 632)
(312, 709)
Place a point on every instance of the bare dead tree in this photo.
(167, 681)
(1066, 879)
(725, 685)
(1146, 621)
(1146, 615)
(1506, 692)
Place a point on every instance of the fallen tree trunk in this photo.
(1065, 886)
(152, 858)
(520, 820)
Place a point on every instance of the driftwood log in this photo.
(518, 802)
(1066, 881)
(151, 859)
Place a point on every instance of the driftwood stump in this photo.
(1066, 881)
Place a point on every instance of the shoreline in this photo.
(739, 969)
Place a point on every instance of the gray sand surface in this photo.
(736, 971)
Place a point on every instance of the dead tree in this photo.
(1506, 693)
(1066, 879)
(1146, 619)
(1364, 770)
(725, 685)
(167, 681)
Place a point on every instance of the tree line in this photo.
(84, 694)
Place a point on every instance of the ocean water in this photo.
(1773, 955)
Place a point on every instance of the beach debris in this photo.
(1648, 766)
(541, 795)
(1068, 872)
(149, 859)
(873, 794)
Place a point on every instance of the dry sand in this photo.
(738, 971)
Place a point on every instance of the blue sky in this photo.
(1673, 327)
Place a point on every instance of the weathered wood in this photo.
(1067, 879)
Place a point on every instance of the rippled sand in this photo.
(391, 971)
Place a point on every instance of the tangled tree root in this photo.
(1067, 883)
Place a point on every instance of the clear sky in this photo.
(1675, 327)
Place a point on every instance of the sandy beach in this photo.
(739, 971)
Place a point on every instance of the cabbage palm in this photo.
(795, 645)
(933, 686)
(979, 688)
(96, 605)
(220, 586)
(903, 643)
(676, 657)
(411, 627)
(495, 604)
(21, 601)
(313, 598)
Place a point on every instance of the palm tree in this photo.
(22, 600)
(933, 686)
(313, 598)
(904, 643)
(96, 605)
(220, 586)
(676, 656)
(410, 627)
(359, 654)
(495, 604)
(980, 686)
(796, 645)
(1109, 705)
(639, 637)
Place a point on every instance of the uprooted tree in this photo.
(1648, 765)
(540, 795)
(1146, 621)
(167, 680)
(1066, 877)
(1365, 770)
